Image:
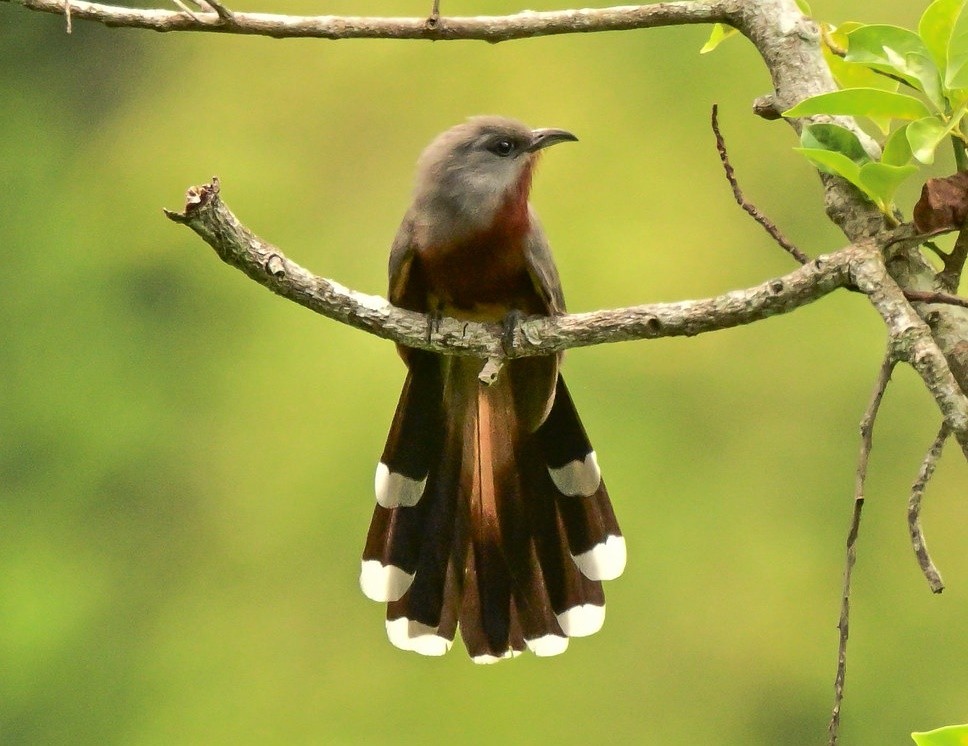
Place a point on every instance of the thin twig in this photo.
(928, 465)
(843, 625)
(67, 15)
(867, 423)
(185, 8)
(768, 225)
(224, 13)
(937, 250)
(924, 296)
(954, 262)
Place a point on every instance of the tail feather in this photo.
(594, 538)
(395, 536)
(424, 618)
(487, 521)
(415, 438)
(577, 602)
(539, 625)
(487, 626)
(490, 433)
(380, 578)
(434, 532)
(532, 547)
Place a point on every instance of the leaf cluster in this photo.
(911, 85)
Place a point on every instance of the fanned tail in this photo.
(486, 520)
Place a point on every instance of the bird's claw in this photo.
(509, 324)
(434, 318)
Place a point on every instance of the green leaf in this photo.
(958, 97)
(804, 7)
(826, 136)
(838, 34)
(862, 102)
(956, 74)
(924, 135)
(832, 162)
(897, 149)
(854, 75)
(922, 68)
(936, 26)
(719, 34)
(886, 48)
(951, 735)
(849, 74)
(881, 181)
(870, 43)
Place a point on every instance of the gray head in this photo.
(468, 172)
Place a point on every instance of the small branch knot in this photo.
(275, 266)
(765, 108)
(490, 371)
(198, 197)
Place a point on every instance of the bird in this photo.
(491, 514)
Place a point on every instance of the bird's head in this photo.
(469, 172)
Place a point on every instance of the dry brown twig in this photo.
(860, 484)
(749, 208)
(918, 543)
(185, 9)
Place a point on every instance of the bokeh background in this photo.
(186, 460)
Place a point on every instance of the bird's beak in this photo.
(544, 137)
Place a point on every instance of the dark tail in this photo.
(486, 522)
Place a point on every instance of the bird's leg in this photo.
(434, 14)
(434, 317)
(510, 322)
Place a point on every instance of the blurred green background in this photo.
(186, 460)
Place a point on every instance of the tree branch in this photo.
(493, 29)
(207, 215)
(860, 265)
(912, 340)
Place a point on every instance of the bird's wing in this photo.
(407, 288)
(541, 267)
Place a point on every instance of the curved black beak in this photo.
(544, 137)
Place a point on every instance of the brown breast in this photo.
(485, 275)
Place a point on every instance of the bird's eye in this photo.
(502, 147)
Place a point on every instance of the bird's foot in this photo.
(434, 318)
(509, 324)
